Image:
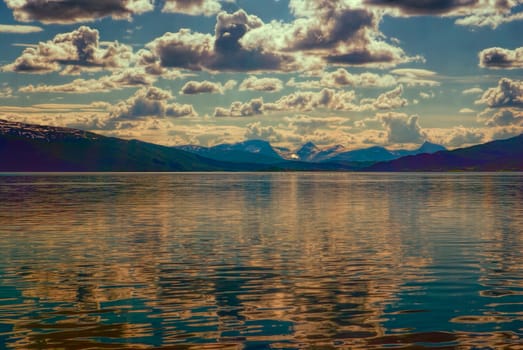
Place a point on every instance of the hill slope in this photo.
(26, 147)
(500, 155)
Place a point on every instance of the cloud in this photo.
(150, 101)
(298, 101)
(461, 136)
(306, 125)
(253, 83)
(466, 111)
(224, 51)
(77, 51)
(18, 29)
(416, 77)
(505, 104)
(327, 26)
(255, 131)
(426, 95)
(192, 7)
(184, 49)
(116, 81)
(333, 33)
(389, 100)
(206, 87)
(425, 7)
(341, 78)
(380, 55)
(473, 91)
(499, 58)
(490, 18)
(308, 101)
(505, 132)
(402, 128)
(239, 109)
(508, 93)
(306, 84)
(336, 32)
(506, 117)
(478, 13)
(6, 91)
(68, 12)
(300, 129)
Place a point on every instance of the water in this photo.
(261, 261)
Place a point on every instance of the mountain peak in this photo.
(307, 151)
(336, 148)
(309, 145)
(429, 147)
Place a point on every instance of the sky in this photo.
(355, 73)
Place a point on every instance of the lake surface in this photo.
(261, 261)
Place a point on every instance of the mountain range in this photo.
(27, 147)
(258, 151)
(311, 153)
(252, 151)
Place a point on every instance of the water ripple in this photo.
(261, 261)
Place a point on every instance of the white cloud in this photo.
(402, 128)
(147, 102)
(116, 81)
(342, 77)
(505, 117)
(473, 91)
(390, 100)
(192, 7)
(19, 29)
(254, 83)
(206, 87)
(77, 51)
(416, 77)
(508, 93)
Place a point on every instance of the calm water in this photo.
(261, 261)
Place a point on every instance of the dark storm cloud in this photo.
(474, 13)
(363, 57)
(500, 58)
(425, 7)
(330, 31)
(72, 11)
(335, 26)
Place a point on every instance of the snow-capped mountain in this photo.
(251, 151)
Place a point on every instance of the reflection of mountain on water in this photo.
(295, 259)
